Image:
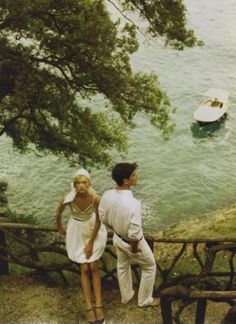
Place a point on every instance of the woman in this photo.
(85, 239)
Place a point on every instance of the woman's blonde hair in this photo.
(77, 177)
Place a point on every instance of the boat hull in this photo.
(207, 115)
(214, 108)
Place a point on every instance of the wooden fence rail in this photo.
(32, 246)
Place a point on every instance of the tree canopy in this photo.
(56, 56)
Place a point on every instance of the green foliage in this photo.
(15, 217)
(55, 56)
(165, 19)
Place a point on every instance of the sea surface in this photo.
(192, 173)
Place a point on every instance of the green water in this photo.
(194, 172)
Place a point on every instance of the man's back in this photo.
(122, 212)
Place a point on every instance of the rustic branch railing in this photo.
(206, 261)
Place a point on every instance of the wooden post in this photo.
(4, 267)
(150, 243)
(201, 311)
(166, 311)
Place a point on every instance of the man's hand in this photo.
(88, 249)
(134, 246)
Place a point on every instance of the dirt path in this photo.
(26, 300)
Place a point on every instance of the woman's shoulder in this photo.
(92, 192)
(69, 197)
(94, 195)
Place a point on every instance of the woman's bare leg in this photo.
(86, 286)
(96, 280)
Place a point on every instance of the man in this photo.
(119, 210)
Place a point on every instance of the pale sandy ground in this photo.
(26, 300)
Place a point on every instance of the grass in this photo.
(220, 223)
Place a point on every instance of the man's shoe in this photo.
(155, 302)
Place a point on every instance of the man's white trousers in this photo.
(145, 259)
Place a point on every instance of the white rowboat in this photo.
(214, 107)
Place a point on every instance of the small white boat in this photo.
(214, 107)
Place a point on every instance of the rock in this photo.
(230, 317)
(3, 198)
(3, 210)
(3, 186)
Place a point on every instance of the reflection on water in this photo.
(204, 130)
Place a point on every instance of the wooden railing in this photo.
(194, 270)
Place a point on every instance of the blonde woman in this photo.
(85, 239)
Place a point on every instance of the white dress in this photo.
(78, 233)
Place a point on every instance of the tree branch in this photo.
(126, 17)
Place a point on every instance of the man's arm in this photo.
(135, 231)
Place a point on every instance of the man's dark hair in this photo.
(122, 171)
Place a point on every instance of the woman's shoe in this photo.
(94, 321)
(101, 320)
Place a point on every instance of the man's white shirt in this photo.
(119, 210)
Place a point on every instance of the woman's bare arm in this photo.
(89, 246)
(60, 227)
